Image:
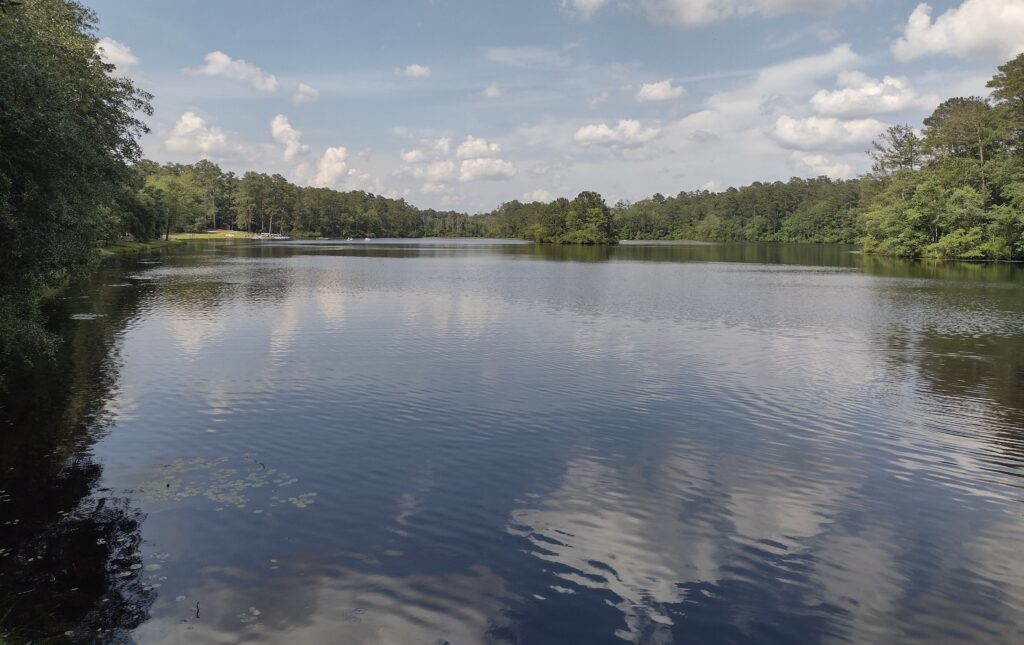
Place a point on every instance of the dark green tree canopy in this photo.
(1008, 84)
(69, 129)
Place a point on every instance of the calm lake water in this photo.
(476, 442)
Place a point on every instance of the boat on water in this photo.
(276, 237)
(367, 239)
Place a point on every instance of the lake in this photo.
(427, 441)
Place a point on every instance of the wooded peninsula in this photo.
(72, 180)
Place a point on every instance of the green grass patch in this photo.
(222, 234)
(124, 248)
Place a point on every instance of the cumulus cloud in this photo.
(989, 29)
(815, 132)
(116, 53)
(442, 145)
(627, 133)
(819, 165)
(285, 134)
(428, 149)
(305, 94)
(493, 91)
(217, 63)
(858, 95)
(413, 156)
(415, 71)
(331, 167)
(192, 135)
(474, 148)
(539, 195)
(486, 169)
(697, 13)
(660, 91)
(773, 89)
(435, 171)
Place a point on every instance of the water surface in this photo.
(419, 441)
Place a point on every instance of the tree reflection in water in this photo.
(70, 561)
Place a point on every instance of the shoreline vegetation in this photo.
(127, 247)
(74, 187)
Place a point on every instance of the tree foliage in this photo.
(965, 201)
(69, 129)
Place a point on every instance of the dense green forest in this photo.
(199, 197)
(69, 134)
(72, 179)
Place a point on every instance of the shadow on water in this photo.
(70, 565)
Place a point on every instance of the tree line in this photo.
(173, 198)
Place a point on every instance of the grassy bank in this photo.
(124, 248)
(222, 234)
(225, 234)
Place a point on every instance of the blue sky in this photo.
(469, 103)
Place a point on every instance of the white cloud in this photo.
(989, 29)
(442, 145)
(820, 31)
(285, 134)
(305, 94)
(598, 99)
(116, 53)
(436, 171)
(428, 149)
(697, 13)
(361, 180)
(660, 91)
(819, 165)
(486, 169)
(774, 88)
(331, 167)
(192, 135)
(816, 132)
(737, 124)
(539, 195)
(493, 91)
(432, 188)
(627, 133)
(861, 95)
(413, 156)
(473, 148)
(220, 64)
(415, 71)
(794, 73)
